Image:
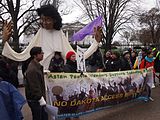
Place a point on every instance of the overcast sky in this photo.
(148, 4)
(76, 12)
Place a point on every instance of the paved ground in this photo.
(135, 110)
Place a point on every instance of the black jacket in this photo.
(157, 64)
(112, 65)
(70, 67)
(56, 65)
(125, 64)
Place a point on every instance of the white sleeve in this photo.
(91, 49)
(11, 54)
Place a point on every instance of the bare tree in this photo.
(13, 10)
(65, 10)
(150, 20)
(158, 4)
(126, 36)
(143, 35)
(55, 3)
(115, 13)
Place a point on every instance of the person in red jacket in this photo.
(147, 62)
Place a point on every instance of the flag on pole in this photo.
(80, 59)
(87, 30)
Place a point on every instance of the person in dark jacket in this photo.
(95, 62)
(126, 63)
(71, 63)
(7, 73)
(71, 67)
(13, 67)
(107, 55)
(133, 57)
(35, 85)
(157, 66)
(4, 71)
(114, 63)
(56, 63)
(144, 52)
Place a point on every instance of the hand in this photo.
(7, 31)
(98, 34)
(42, 101)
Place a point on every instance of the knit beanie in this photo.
(125, 52)
(69, 54)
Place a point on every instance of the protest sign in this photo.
(76, 94)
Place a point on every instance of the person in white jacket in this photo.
(50, 37)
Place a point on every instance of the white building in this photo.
(71, 28)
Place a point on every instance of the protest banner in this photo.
(76, 94)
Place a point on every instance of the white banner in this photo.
(76, 94)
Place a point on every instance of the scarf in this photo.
(149, 59)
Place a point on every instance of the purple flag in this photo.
(87, 30)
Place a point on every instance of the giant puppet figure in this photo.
(50, 37)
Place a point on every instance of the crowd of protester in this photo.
(109, 61)
(50, 20)
(115, 61)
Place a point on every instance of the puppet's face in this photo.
(47, 22)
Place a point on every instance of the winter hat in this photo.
(116, 53)
(69, 54)
(125, 52)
